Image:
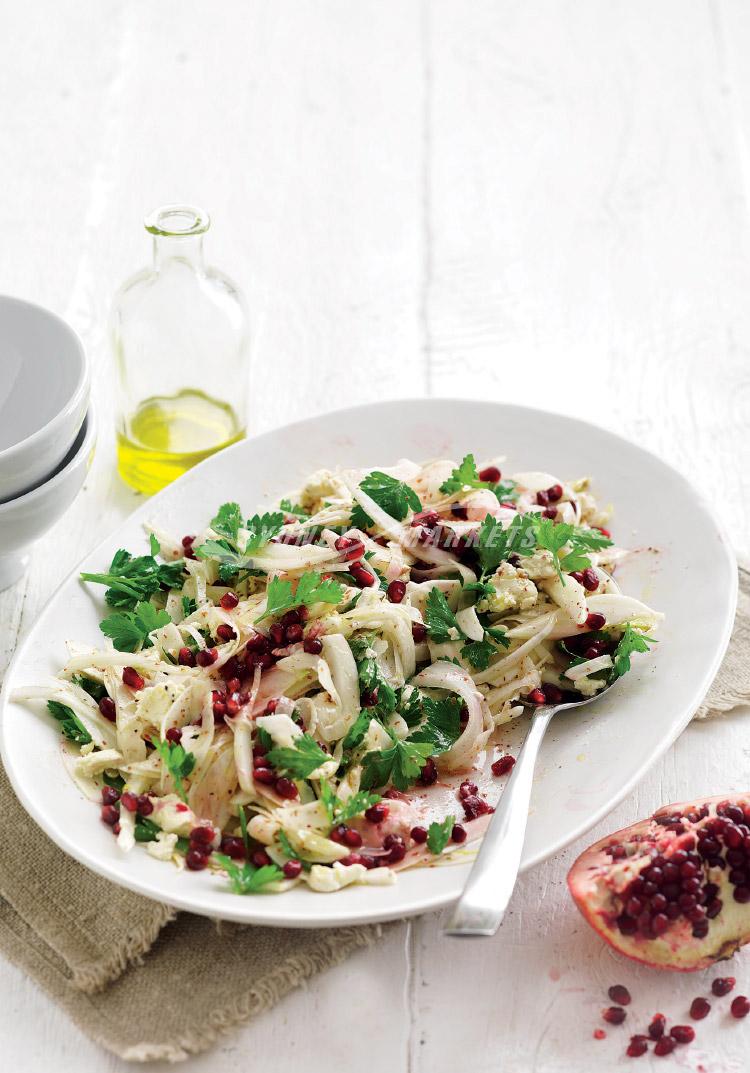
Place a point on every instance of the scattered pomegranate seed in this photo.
(202, 835)
(110, 795)
(145, 805)
(174, 734)
(599, 1033)
(292, 869)
(271, 706)
(590, 579)
(467, 789)
(107, 708)
(225, 632)
(229, 601)
(313, 645)
(396, 591)
(129, 801)
(185, 657)
(682, 1033)
(740, 1007)
(294, 633)
(458, 834)
(664, 1046)
(542, 499)
(595, 621)
(503, 765)
(619, 994)
(577, 576)
(233, 847)
(657, 1026)
(549, 512)
(278, 634)
(396, 847)
(638, 1045)
(614, 1015)
(257, 643)
(187, 541)
(536, 697)
(132, 678)
(206, 657)
(552, 694)
(427, 518)
(418, 632)
(196, 859)
(349, 547)
(554, 493)
(264, 775)
(722, 985)
(110, 816)
(286, 788)
(699, 1008)
(603, 531)
(419, 835)
(260, 858)
(116, 829)
(369, 698)
(429, 772)
(352, 838)
(490, 474)
(352, 858)
(361, 575)
(233, 685)
(232, 706)
(376, 813)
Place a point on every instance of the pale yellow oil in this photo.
(167, 435)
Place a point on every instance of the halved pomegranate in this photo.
(672, 891)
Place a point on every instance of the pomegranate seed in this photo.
(260, 858)
(552, 694)
(657, 1026)
(294, 633)
(590, 579)
(554, 493)
(577, 576)
(376, 813)
(491, 474)
(619, 994)
(549, 512)
(286, 788)
(174, 734)
(352, 838)
(116, 829)
(599, 1033)
(110, 795)
(145, 805)
(699, 1008)
(418, 632)
(603, 531)
(396, 847)
(225, 632)
(362, 576)
(278, 634)
(271, 706)
(369, 698)
(196, 859)
(229, 601)
(722, 985)
(740, 1007)
(396, 591)
(293, 617)
(427, 518)
(350, 548)
(264, 660)
(542, 499)
(638, 1045)
(429, 772)
(132, 678)
(187, 541)
(536, 697)
(458, 834)
(130, 801)
(107, 708)
(595, 621)
(206, 657)
(292, 869)
(459, 512)
(110, 815)
(257, 643)
(614, 1015)
(337, 834)
(202, 835)
(232, 706)
(313, 646)
(233, 685)
(682, 1033)
(185, 657)
(664, 1046)
(468, 789)
(419, 835)
(353, 858)
(503, 765)
(233, 847)
(264, 775)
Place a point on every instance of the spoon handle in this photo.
(481, 907)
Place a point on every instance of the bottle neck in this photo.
(188, 249)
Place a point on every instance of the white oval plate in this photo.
(588, 762)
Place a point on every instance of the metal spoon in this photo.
(481, 907)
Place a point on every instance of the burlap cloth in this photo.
(141, 979)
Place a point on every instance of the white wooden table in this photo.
(537, 202)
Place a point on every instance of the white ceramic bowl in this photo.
(25, 518)
(44, 394)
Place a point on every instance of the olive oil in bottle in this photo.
(180, 339)
(165, 437)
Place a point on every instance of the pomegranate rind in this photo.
(596, 883)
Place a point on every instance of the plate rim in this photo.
(415, 905)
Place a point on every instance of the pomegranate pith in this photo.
(672, 891)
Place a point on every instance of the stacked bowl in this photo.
(47, 430)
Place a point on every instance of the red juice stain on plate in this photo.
(599, 1033)
(554, 974)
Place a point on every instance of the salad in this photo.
(279, 696)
